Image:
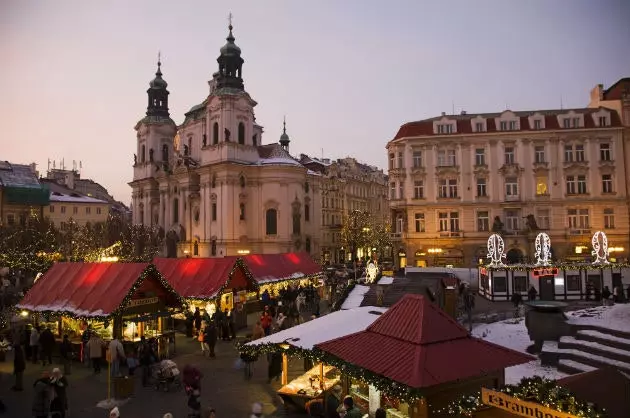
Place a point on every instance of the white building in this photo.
(211, 184)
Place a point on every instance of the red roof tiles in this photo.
(417, 344)
(279, 267)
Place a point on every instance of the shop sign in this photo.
(388, 273)
(545, 272)
(520, 407)
(141, 302)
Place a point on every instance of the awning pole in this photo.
(285, 369)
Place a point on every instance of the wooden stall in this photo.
(414, 359)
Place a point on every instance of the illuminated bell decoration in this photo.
(600, 248)
(543, 249)
(496, 250)
(370, 272)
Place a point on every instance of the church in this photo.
(210, 185)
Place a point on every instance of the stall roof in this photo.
(196, 278)
(83, 289)
(325, 328)
(278, 267)
(431, 348)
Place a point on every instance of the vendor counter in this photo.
(312, 384)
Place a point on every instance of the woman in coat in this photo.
(95, 348)
(42, 396)
(19, 365)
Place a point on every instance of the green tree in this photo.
(31, 247)
(361, 230)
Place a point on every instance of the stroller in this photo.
(165, 375)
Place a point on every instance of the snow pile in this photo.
(615, 317)
(512, 333)
(355, 297)
(386, 280)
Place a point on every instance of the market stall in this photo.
(414, 359)
(128, 300)
(300, 340)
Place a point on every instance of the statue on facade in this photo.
(150, 155)
(135, 160)
(530, 223)
(226, 131)
(497, 225)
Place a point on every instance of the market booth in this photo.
(211, 283)
(300, 340)
(414, 359)
(128, 300)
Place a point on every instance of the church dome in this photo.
(158, 82)
(230, 48)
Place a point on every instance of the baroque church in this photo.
(210, 184)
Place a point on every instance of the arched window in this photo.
(241, 181)
(307, 245)
(307, 213)
(165, 153)
(213, 247)
(242, 211)
(255, 140)
(241, 133)
(271, 222)
(215, 133)
(175, 210)
(143, 156)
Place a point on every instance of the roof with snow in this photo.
(274, 154)
(334, 325)
(268, 268)
(355, 297)
(431, 348)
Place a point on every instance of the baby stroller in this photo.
(165, 375)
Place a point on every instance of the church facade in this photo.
(210, 185)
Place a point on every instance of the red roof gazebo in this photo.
(416, 352)
(268, 268)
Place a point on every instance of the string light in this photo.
(559, 266)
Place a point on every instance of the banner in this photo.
(519, 407)
(142, 302)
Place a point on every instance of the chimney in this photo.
(464, 113)
(443, 113)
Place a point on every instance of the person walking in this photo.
(202, 340)
(265, 321)
(116, 355)
(42, 396)
(197, 320)
(46, 345)
(59, 404)
(19, 365)
(65, 350)
(95, 348)
(34, 343)
(210, 338)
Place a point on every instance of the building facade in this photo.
(456, 179)
(347, 185)
(66, 206)
(211, 185)
(22, 196)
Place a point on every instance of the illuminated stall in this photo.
(128, 300)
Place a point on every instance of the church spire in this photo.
(158, 94)
(284, 138)
(230, 73)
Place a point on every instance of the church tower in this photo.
(154, 137)
(284, 138)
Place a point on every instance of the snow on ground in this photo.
(513, 334)
(615, 317)
(355, 297)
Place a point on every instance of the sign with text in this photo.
(545, 272)
(141, 302)
(388, 273)
(520, 407)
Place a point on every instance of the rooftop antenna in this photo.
(452, 107)
(49, 164)
(561, 103)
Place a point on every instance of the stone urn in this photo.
(545, 321)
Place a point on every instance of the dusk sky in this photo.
(346, 73)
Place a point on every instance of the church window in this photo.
(307, 212)
(255, 140)
(214, 211)
(242, 211)
(175, 210)
(213, 248)
(196, 248)
(241, 133)
(307, 245)
(271, 222)
(215, 133)
(143, 154)
(165, 153)
(214, 181)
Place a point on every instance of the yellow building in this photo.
(22, 196)
(66, 205)
(453, 179)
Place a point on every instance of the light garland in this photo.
(559, 266)
(543, 249)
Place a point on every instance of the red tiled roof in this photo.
(198, 278)
(279, 267)
(415, 343)
(87, 289)
(615, 92)
(464, 122)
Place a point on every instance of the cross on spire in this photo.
(284, 124)
(230, 19)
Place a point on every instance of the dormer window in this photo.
(479, 127)
(503, 125)
(512, 125)
(445, 128)
(571, 123)
(603, 121)
(478, 124)
(537, 124)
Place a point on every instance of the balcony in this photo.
(397, 172)
(451, 234)
(540, 165)
(513, 198)
(572, 232)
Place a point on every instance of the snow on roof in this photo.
(355, 297)
(313, 173)
(386, 280)
(278, 161)
(334, 325)
(73, 198)
(615, 317)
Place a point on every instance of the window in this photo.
(75, 210)
(511, 186)
(51, 209)
(392, 191)
(417, 159)
(307, 244)
(271, 222)
(520, 284)
(391, 161)
(512, 125)
(581, 184)
(604, 152)
(571, 184)
(175, 210)
(578, 218)
(575, 123)
(542, 219)
(215, 133)
(213, 247)
(419, 218)
(241, 133)
(603, 121)
(454, 221)
(607, 183)
(568, 153)
(579, 153)
(213, 209)
(609, 218)
(541, 186)
(443, 221)
(539, 154)
(10, 219)
(418, 189)
(478, 127)
(566, 123)
(481, 188)
(307, 213)
(98, 211)
(241, 209)
(537, 124)
(88, 211)
(401, 162)
(480, 157)
(444, 129)
(483, 221)
(446, 158)
(511, 219)
(63, 209)
(143, 154)
(401, 190)
(509, 155)
(503, 125)
(447, 189)
(448, 221)
(573, 282)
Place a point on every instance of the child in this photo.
(132, 362)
